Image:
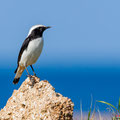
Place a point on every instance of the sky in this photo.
(81, 54)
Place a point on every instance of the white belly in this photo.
(32, 53)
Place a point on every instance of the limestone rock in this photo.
(37, 100)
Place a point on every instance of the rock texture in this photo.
(37, 100)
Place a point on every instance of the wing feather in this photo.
(24, 46)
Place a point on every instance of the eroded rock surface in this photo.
(37, 100)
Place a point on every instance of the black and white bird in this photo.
(30, 50)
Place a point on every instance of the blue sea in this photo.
(77, 83)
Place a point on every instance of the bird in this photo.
(30, 51)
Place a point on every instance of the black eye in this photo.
(40, 29)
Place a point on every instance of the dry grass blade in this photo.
(93, 114)
(99, 114)
(81, 111)
(89, 113)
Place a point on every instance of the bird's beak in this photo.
(47, 27)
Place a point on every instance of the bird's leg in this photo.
(31, 78)
(33, 70)
(28, 72)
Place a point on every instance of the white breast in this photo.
(32, 53)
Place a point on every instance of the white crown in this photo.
(34, 27)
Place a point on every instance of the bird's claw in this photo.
(35, 75)
(30, 76)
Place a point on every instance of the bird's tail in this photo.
(18, 72)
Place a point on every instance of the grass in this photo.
(112, 112)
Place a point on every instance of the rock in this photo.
(37, 100)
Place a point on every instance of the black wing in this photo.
(24, 46)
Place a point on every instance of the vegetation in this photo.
(113, 113)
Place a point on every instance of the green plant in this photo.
(117, 109)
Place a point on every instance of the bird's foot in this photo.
(30, 76)
(32, 80)
(35, 75)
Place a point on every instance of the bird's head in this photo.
(37, 30)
